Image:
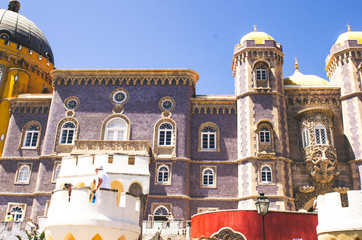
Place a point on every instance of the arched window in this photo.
(208, 136)
(261, 71)
(23, 174)
(163, 174)
(264, 135)
(57, 171)
(320, 134)
(160, 213)
(208, 177)
(165, 132)
(266, 174)
(116, 130)
(17, 213)
(67, 133)
(31, 136)
(305, 137)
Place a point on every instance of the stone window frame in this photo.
(156, 205)
(24, 135)
(164, 99)
(158, 166)
(206, 209)
(170, 149)
(20, 165)
(271, 165)
(66, 147)
(56, 165)
(269, 126)
(202, 170)
(11, 205)
(266, 67)
(200, 137)
(68, 100)
(305, 137)
(110, 118)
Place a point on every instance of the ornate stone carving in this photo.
(213, 105)
(227, 234)
(35, 103)
(101, 146)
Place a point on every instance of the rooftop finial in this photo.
(349, 27)
(296, 65)
(14, 5)
(255, 28)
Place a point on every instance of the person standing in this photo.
(102, 182)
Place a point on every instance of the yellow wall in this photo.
(24, 72)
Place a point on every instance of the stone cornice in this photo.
(214, 105)
(310, 110)
(337, 56)
(355, 94)
(313, 95)
(256, 92)
(126, 76)
(30, 158)
(30, 103)
(219, 199)
(25, 194)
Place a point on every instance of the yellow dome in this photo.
(300, 79)
(349, 36)
(259, 37)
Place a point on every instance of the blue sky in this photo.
(192, 34)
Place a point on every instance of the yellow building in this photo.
(26, 60)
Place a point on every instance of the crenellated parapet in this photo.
(338, 220)
(214, 105)
(30, 103)
(80, 218)
(26, 58)
(125, 77)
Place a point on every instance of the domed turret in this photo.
(259, 37)
(349, 35)
(16, 28)
(300, 79)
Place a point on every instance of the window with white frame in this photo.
(23, 173)
(163, 174)
(17, 211)
(57, 171)
(67, 133)
(305, 137)
(266, 174)
(264, 135)
(116, 130)
(165, 132)
(208, 136)
(320, 134)
(32, 136)
(261, 73)
(208, 177)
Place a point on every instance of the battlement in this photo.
(333, 217)
(18, 51)
(64, 214)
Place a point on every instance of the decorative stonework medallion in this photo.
(227, 234)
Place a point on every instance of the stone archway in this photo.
(227, 234)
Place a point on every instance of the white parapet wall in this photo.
(82, 219)
(333, 218)
(81, 169)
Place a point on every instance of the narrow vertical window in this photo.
(163, 175)
(266, 174)
(264, 135)
(23, 174)
(305, 137)
(31, 136)
(67, 133)
(208, 135)
(165, 134)
(208, 177)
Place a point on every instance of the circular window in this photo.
(119, 97)
(72, 104)
(167, 104)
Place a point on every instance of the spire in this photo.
(349, 27)
(296, 65)
(14, 5)
(255, 28)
